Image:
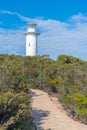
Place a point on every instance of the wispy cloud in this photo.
(15, 13)
(56, 38)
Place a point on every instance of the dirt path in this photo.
(48, 114)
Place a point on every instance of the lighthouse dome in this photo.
(32, 27)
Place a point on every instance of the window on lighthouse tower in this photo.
(29, 44)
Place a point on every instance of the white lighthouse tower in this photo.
(31, 39)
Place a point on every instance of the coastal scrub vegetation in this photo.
(67, 77)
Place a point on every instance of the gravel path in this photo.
(48, 115)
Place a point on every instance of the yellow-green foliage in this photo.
(80, 101)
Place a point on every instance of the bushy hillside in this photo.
(14, 94)
(67, 77)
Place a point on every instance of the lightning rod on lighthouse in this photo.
(31, 39)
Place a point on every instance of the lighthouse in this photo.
(31, 40)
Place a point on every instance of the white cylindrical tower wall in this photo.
(31, 45)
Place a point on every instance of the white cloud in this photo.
(79, 18)
(64, 38)
(56, 37)
(11, 41)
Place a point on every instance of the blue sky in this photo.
(62, 24)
